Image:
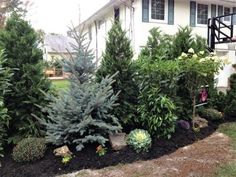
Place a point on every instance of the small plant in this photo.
(66, 159)
(29, 149)
(211, 114)
(140, 140)
(101, 151)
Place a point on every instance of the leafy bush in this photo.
(29, 85)
(230, 109)
(140, 140)
(197, 70)
(82, 113)
(5, 75)
(157, 113)
(29, 149)
(210, 113)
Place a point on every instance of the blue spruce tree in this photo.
(82, 114)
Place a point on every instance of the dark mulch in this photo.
(51, 165)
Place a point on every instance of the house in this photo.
(139, 16)
(56, 47)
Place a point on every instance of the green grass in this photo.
(228, 170)
(60, 84)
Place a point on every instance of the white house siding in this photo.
(138, 31)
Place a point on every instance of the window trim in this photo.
(209, 13)
(165, 15)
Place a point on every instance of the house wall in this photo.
(138, 31)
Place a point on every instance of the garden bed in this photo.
(51, 165)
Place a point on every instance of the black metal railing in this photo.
(221, 30)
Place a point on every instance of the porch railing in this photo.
(221, 30)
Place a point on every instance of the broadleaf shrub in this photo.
(230, 109)
(5, 75)
(157, 113)
(29, 149)
(139, 140)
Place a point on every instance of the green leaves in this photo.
(139, 140)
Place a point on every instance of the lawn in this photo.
(60, 84)
(228, 170)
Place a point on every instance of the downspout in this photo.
(132, 9)
(96, 34)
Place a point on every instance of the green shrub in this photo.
(5, 75)
(230, 109)
(211, 113)
(157, 113)
(140, 140)
(29, 149)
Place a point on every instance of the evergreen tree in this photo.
(158, 46)
(118, 57)
(5, 75)
(28, 85)
(82, 114)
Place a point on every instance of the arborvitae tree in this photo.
(118, 57)
(28, 85)
(184, 40)
(82, 114)
(158, 45)
(5, 75)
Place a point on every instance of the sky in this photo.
(54, 16)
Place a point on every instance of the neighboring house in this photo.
(139, 16)
(56, 47)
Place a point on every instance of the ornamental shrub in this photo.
(157, 113)
(5, 75)
(230, 109)
(139, 140)
(210, 113)
(84, 112)
(29, 149)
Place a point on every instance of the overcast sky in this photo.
(53, 16)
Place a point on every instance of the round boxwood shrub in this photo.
(139, 140)
(29, 149)
(211, 114)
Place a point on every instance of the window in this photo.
(202, 14)
(226, 12)
(158, 9)
(117, 14)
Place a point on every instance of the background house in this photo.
(139, 16)
(55, 48)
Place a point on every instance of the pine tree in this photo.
(82, 114)
(28, 85)
(118, 58)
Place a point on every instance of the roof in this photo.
(102, 11)
(58, 43)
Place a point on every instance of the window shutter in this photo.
(171, 4)
(145, 10)
(192, 13)
(234, 16)
(220, 10)
(213, 10)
